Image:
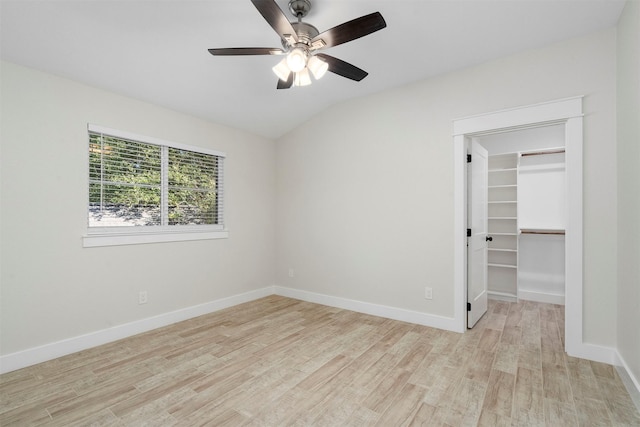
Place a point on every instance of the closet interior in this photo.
(526, 214)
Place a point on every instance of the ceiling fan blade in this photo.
(246, 51)
(276, 18)
(287, 84)
(344, 69)
(350, 30)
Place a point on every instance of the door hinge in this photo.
(468, 306)
(468, 232)
(468, 158)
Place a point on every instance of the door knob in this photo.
(489, 239)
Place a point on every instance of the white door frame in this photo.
(564, 111)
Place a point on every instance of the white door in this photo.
(477, 253)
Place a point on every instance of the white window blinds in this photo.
(137, 181)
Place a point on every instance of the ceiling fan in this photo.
(301, 43)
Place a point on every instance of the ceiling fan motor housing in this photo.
(306, 32)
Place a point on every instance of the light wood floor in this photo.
(278, 362)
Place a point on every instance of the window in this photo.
(142, 190)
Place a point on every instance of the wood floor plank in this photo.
(499, 307)
(496, 321)
(278, 361)
(592, 412)
(427, 372)
(39, 393)
(530, 358)
(363, 417)
(324, 373)
(202, 398)
(528, 398)
(584, 384)
(77, 408)
(506, 359)
(404, 406)
(511, 335)
(213, 413)
(460, 355)
(514, 316)
(558, 413)
(157, 392)
(29, 416)
(282, 408)
(621, 408)
(466, 405)
(369, 380)
(491, 419)
(443, 389)
(423, 416)
(100, 418)
(159, 408)
(334, 410)
(480, 367)
(383, 395)
(499, 396)
(266, 388)
(556, 383)
(414, 357)
(490, 339)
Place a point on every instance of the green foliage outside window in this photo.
(126, 182)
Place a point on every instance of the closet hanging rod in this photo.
(541, 231)
(539, 153)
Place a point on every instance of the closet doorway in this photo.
(566, 113)
(526, 214)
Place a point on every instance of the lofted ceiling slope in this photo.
(156, 51)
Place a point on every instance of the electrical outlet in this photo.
(428, 293)
(291, 272)
(142, 297)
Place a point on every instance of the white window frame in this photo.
(114, 236)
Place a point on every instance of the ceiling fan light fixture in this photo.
(282, 70)
(297, 59)
(302, 78)
(317, 66)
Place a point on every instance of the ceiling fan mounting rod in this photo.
(299, 8)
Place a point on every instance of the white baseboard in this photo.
(434, 321)
(501, 296)
(630, 381)
(594, 352)
(32, 356)
(540, 297)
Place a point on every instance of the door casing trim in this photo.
(567, 111)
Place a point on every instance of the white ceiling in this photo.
(156, 51)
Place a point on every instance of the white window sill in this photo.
(92, 240)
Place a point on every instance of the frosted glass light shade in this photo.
(297, 59)
(302, 78)
(282, 70)
(317, 66)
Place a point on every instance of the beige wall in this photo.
(363, 198)
(629, 187)
(365, 190)
(51, 287)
